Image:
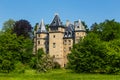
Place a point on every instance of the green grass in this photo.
(61, 74)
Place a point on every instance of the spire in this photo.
(42, 27)
(56, 21)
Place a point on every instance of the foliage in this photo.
(22, 28)
(35, 27)
(47, 27)
(56, 65)
(99, 51)
(8, 50)
(19, 68)
(107, 30)
(25, 50)
(45, 62)
(87, 55)
(12, 50)
(8, 25)
(33, 62)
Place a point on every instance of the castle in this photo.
(58, 40)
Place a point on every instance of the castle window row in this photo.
(69, 42)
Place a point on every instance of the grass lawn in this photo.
(60, 74)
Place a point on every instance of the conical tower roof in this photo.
(42, 27)
(56, 21)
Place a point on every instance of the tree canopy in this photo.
(99, 51)
(8, 25)
(23, 28)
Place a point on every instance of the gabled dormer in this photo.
(79, 26)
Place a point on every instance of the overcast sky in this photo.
(89, 11)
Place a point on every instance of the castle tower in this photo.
(41, 37)
(80, 31)
(68, 40)
(56, 33)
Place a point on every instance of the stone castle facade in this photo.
(58, 40)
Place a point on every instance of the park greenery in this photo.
(16, 45)
(57, 74)
(98, 52)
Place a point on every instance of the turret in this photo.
(42, 37)
(80, 31)
(56, 34)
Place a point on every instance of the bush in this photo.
(95, 56)
(19, 68)
(56, 65)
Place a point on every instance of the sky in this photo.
(90, 11)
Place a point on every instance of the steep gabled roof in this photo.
(79, 26)
(69, 31)
(42, 27)
(56, 21)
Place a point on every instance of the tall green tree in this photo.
(107, 30)
(8, 51)
(95, 55)
(13, 49)
(8, 25)
(86, 56)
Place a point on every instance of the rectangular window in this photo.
(69, 42)
(53, 36)
(54, 45)
(69, 48)
(38, 42)
(65, 42)
(38, 35)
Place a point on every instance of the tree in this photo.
(94, 55)
(107, 30)
(47, 27)
(8, 25)
(8, 51)
(45, 62)
(14, 49)
(22, 28)
(110, 30)
(35, 27)
(86, 56)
